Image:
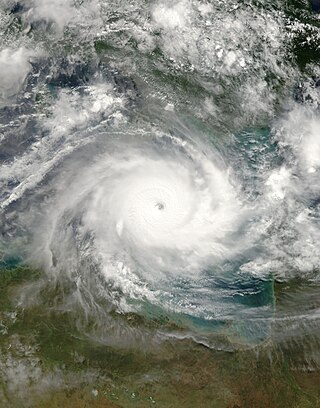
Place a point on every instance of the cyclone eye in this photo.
(159, 206)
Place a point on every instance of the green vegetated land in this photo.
(47, 362)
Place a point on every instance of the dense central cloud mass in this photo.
(148, 210)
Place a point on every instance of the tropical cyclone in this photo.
(156, 212)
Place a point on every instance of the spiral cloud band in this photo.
(148, 211)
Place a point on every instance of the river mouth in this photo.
(159, 203)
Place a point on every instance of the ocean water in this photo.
(159, 203)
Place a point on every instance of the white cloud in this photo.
(61, 13)
(14, 67)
